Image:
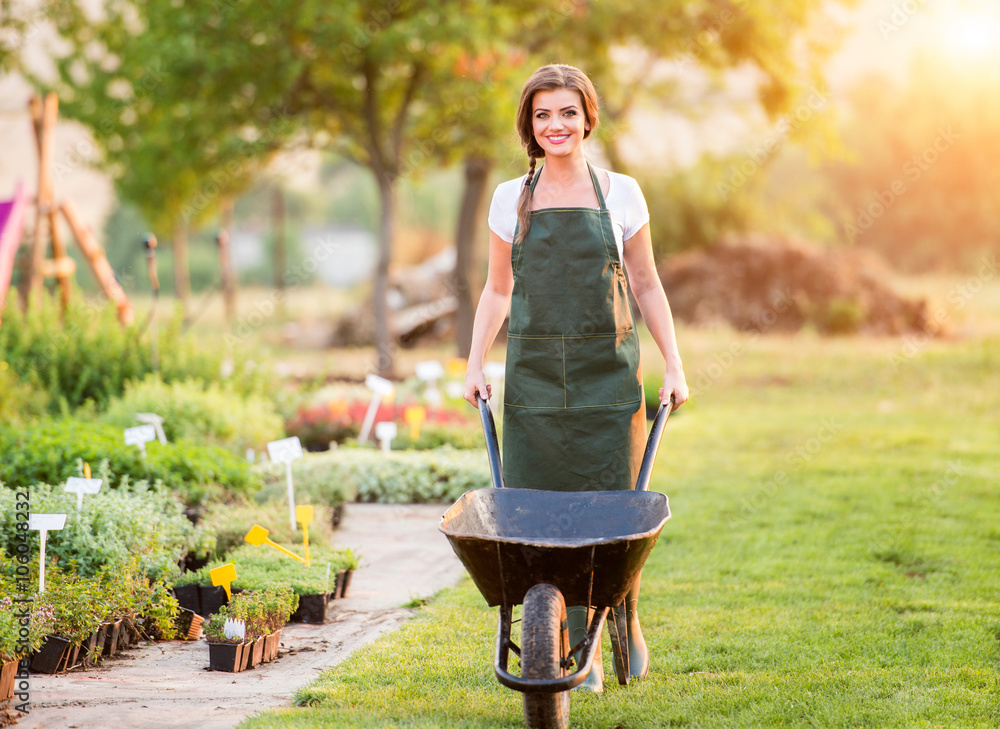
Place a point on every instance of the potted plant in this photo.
(224, 653)
(13, 648)
(264, 612)
(349, 563)
(77, 612)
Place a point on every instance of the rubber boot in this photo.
(638, 653)
(577, 620)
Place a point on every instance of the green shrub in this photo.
(114, 528)
(438, 436)
(86, 356)
(19, 401)
(52, 451)
(209, 413)
(259, 568)
(397, 477)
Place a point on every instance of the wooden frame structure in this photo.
(44, 115)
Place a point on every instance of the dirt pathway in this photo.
(169, 686)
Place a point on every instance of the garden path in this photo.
(168, 685)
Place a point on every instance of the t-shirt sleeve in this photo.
(636, 212)
(503, 212)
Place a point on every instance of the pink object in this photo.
(11, 228)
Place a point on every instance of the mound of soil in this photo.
(770, 285)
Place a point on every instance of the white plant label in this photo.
(156, 421)
(430, 370)
(140, 435)
(43, 524)
(234, 629)
(385, 432)
(285, 451)
(81, 486)
(380, 388)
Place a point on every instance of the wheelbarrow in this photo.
(547, 549)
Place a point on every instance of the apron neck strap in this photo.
(593, 178)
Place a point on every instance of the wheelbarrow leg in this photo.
(618, 627)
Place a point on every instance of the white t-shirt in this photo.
(624, 200)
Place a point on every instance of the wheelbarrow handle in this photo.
(652, 444)
(492, 446)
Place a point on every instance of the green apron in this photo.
(573, 416)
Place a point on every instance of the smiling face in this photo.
(558, 121)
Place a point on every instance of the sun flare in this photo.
(972, 34)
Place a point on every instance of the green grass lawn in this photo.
(831, 561)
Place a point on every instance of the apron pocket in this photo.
(601, 370)
(535, 374)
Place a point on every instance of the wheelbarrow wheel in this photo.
(544, 651)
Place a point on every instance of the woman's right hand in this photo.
(475, 382)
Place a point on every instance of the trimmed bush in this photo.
(397, 477)
(52, 451)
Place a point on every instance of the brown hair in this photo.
(547, 78)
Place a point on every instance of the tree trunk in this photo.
(182, 276)
(280, 252)
(477, 172)
(226, 269)
(385, 345)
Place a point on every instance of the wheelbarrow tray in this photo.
(591, 545)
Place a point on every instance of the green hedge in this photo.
(397, 477)
(52, 451)
(114, 527)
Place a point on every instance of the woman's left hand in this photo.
(674, 383)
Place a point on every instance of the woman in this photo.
(574, 417)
